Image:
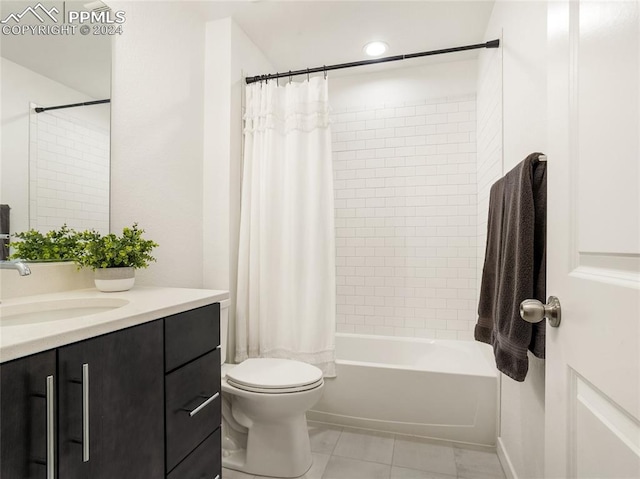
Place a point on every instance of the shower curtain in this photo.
(286, 264)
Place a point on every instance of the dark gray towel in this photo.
(514, 266)
(4, 229)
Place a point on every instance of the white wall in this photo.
(157, 136)
(489, 167)
(522, 27)
(217, 155)
(20, 86)
(405, 206)
(405, 195)
(402, 84)
(230, 56)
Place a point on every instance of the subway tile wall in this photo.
(68, 173)
(489, 140)
(406, 218)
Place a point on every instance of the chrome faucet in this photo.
(23, 269)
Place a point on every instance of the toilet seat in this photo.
(274, 376)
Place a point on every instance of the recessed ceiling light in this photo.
(375, 49)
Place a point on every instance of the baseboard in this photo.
(506, 463)
(477, 435)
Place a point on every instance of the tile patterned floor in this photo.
(345, 453)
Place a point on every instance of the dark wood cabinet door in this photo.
(126, 405)
(23, 416)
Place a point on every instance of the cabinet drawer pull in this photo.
(51, 433)
(85, 412)
(193, 412)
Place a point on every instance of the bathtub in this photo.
(431, 388)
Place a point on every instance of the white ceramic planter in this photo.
(111, 280)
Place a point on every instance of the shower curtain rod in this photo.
(40, 109)
(326, 68)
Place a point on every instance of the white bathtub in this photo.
(432, 388)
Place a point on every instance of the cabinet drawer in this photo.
(204, 462)
(186, 389)
(190, 334)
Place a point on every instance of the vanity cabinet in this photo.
(142, 402)
(23, 416)
(110, 405)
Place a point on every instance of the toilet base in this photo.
(274, 449)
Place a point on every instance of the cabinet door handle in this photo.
(193, 412)
(51, 433)
(85, 412)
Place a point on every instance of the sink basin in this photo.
(56, 310)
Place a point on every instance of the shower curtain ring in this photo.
(277, 79)
(289, 77)
(307, 74)
(325, 72)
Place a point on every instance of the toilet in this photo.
(264, 401)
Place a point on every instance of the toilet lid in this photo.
(274, 375)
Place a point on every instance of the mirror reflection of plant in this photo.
(111, 251)
(63, 244)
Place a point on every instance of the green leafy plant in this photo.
(111, 251)
(56, 245)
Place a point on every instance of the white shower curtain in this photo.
(286, 264)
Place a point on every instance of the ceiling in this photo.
(293, 34)
(300, 34)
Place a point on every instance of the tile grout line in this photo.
(393, 452)
(331, 454)
(455, 462)
(336, 443)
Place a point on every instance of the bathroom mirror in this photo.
(55, 164)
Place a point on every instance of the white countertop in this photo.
(145, 304)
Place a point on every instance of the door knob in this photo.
(533, 311)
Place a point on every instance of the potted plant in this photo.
(56, 245)
(115, 258)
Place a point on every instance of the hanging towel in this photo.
(4, 230)
(514, 266)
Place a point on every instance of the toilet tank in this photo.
(224, 329)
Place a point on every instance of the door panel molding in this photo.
(611, 268)
(590, 409)
(597, 149)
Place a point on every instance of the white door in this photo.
(593, 262)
